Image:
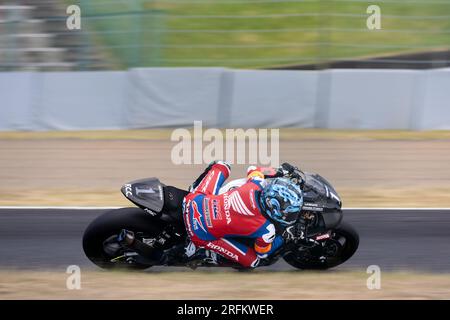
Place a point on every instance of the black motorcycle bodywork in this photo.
(161, 208)
(155, 198)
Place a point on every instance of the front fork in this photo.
(299, 239)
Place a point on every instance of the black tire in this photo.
(111, 223)
(346, 252)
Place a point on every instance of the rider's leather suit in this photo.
(215, 221)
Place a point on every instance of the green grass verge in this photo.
(174, 33)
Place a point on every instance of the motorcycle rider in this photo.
(259, 210)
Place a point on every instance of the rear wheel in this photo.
(99, 243)
(341, 246)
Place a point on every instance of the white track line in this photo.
(109, 208)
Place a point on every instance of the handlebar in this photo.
(294, 173)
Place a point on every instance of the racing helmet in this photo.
(282, 200)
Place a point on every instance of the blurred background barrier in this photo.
(175, 97)
(313, 34)
(151, 63)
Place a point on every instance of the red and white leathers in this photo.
(214, 221)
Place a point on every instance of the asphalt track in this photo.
(416, 240)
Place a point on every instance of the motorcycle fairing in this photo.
(319, 194)
(146, 193)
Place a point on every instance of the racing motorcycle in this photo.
(318, 240)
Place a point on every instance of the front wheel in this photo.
(341, 246)
(99, 238)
